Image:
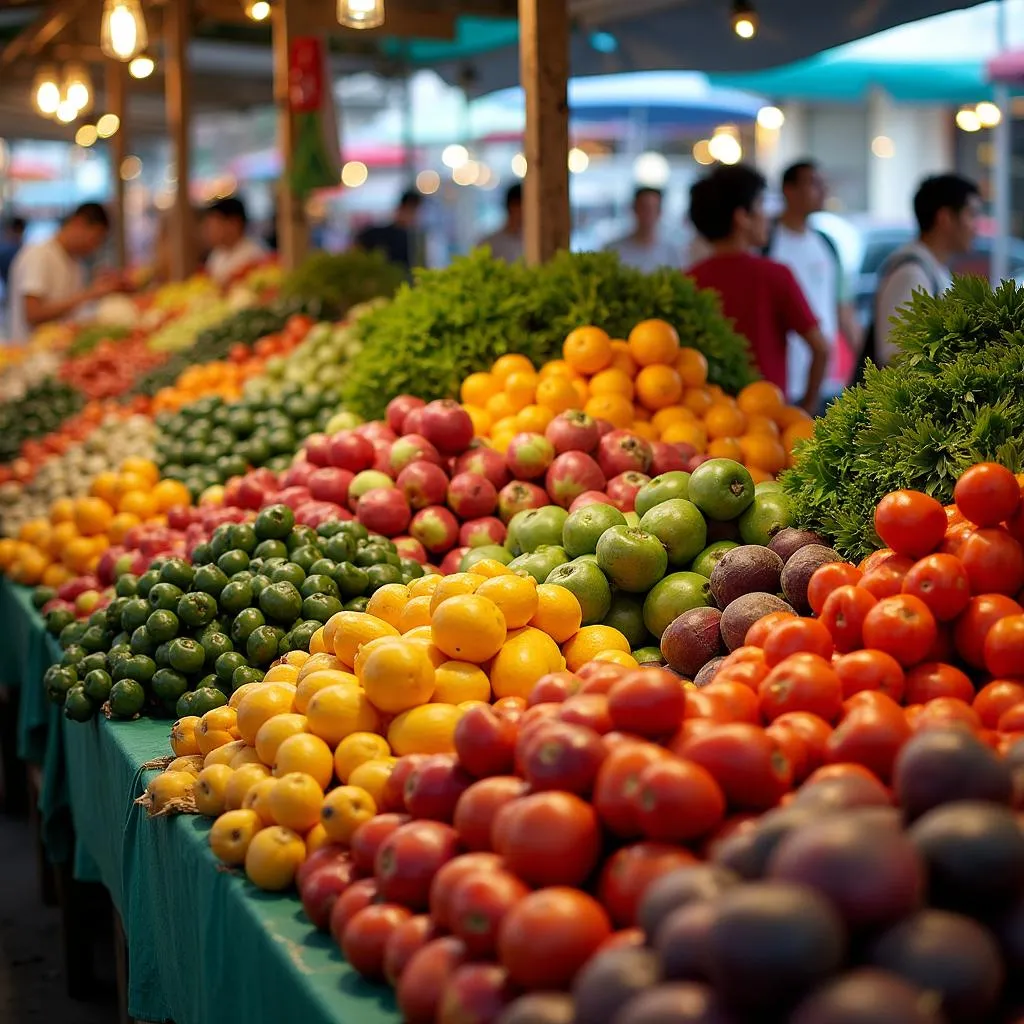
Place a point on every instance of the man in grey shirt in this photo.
(507, 244)
(645, 249)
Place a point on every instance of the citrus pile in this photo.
(648, 384)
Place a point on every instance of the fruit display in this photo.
(110, 368)
(342, 281)
(39, 410)
(31, 369)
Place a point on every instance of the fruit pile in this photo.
(110, 368)
(41, 409)
(647, 384)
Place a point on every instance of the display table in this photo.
(203, 945)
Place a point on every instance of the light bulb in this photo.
(142, 66)
(428, 182)
(123, 33)
(258, 10)
(579, 160)
(988, 114)
(744, 19)
(108, 125)
(361, 13)
(771, 118)
(77, 87)
(725, 147)
(66, 111)
(967, 120)
(46, 91)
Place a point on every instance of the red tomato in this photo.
(827, 578)
(802, 682)
(934, 679)
(745, 761)
(629, 872)
(554, 687)
(797, 636)
(485, 742)
(739, 700)
(911, 523)
(356, 897)
(589, 709)
(796, 751)
(980, 615)
(475, 994)
(943, 712)
(478, 806)
(393, 797)
(885, 577)
(691, 727)
(747, 673)
(840, 770)
(953, 542)
(1012, 719)
(565, 757)
(678, 801)
(901, 626)
(425, 978)
(1000, 695)
(994, 562)
(618, 781)
(1015, 524)
(509, 707)
(648, 702)
(477, 906)
(549, 935)
(706, 705)
(600, 676)
(987, 494)
(450, 875)
(870, 670)
(1004, 647)
(368, 837)
(409, 858)
(941, 582)
(367, 935)
(759, 630)
(405, 941)
(548, 838)
(843, 615)
(433, 787)
(871, 735)
(812, 732)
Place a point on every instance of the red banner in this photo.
(306, 75)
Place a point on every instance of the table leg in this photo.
(47, 880)
(121, 964)
(12, 771)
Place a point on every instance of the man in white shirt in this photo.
(815, 263)
(507, 244)
(47, 280)
(946, 208)
(645, 249)
(231, 249)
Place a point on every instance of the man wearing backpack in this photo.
(946, 208)
(814, 260)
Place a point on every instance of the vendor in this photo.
(232, 250)
(47, 281)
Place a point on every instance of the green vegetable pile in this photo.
(455, 321)
(951, 399)
(39, 411)
(339, 281)
(89, 337)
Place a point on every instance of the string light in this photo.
(519, 165)
(354, 174)
(988, 114)
(771, 118)
(142, 66)
(123, 32)
(579, 161)
(967, 120)
(744, 19)
(108, 125)
(361, 14)
(725, 146)
(78, 87)
(428, 182)
(257, 10)
(46, 91)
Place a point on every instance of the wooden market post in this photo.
(544, 73)
(117, 105)
(178, 21)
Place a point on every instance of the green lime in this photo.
(305, 556)
(97, 685)
(381, 575)
(288, 572)
(675, 594)
(680, 527)
(220, 540)
(648, 656)
(206, 699)
(73, 655)
(339, 548)
(270, 549)
(354, 529)
(674, 484)
(178, 572)
(58, 680)
(299, 637)
(233, 561)
(141, 642)
(258, 583)
(319, 584)
(117, 654)
(585, 579)
(274, 522)
(323, 567)
(540, 563)
(529, 528)
(77, 705)
(167, 684)
(474, 555)
(352, 580)
(281, 602)
(186, 656)
(95, 639)
(149, 579)
(135, 614)
(162, 626)
(633, 559)
(139, 668)
(769, 512)
(40, 595)
(98, 618)
(245, 674)
(236, 596)
(226, 664)
(356, 604)
(721, 489)
(162, 656)
(91, 661)
(320, 607)
(627, 616)
(210, 580)
(113, 613)
(126, 585)
(301, 536)
(197, 609)
(370, 554)
(261, 644)
(584, 527)
(245, 622)
(215, 644)
(705, 562)
(73, 632)
(59, 619)
(413, 570)
(127, 698)
(243, 537)
(165, 595)
(202, 554)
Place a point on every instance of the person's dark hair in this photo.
(647, 190)
(715, 199)
(942, 192)
(514, 196)
(16, 225)
(791, 175)
(230, 208)
(410, 198)
(93, 214)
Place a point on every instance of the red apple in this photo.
(410, 547)
(322, 888)
(329, 854)
(400, 407)
(485, 742)
(471, 495)
(485, 461)
(529, 455)
(478, 532)
(573, 431)
(697, 460)
(384, 510)
(589, 498)
(604, 427)
(666, 458)
(447, 426)
(435, 528)
(318, 449)
(362, 483)
(377, 430)
(570, 475)
(313, 513)
(413, 422)
(329, 483)
(434, 786)
(293, 497)
(453, 560)
(298, 474)
(351, 451)
(622, 451)
(622, 489)
(412, 448)
(519, 495)
(382, 457)
(475, 994)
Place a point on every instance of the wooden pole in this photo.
(117, 104)
(178, 26)
(544, 71)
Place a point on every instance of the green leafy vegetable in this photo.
(339, 281)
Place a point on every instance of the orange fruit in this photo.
(260, 704)
(231, 835)
(373, 776)
(216, 728)
(478, 387)
(428, 729)
(63, 510)
(724, 421)
(525, 657)
(425, 585)
(78, 554)
(557, 394)
(613, 381)
(339, 711)
(692, 367)
(616, 409)
(764, 452)
(320, 662)
(274, 731)
(92, 516)
(316, 839)
(183, 736)
(587, 349)
(589, 642)
(170, 493)
(305, 753)
(582, 390)
(415, 613)
(653, 341)
(35, 532)
(556, 368)
(658, 386)
(55, 575)
(469, 628)
(481, 419)
(282, 673)
(646, 430)
(60, 535)
(622, 358)
(245, 755)
(791, 414)
(618, 658)
(534, 419)
(105, 486)
(131, 482)
(558, 612)
(501, 439)
(388, 602)
(799, 430)
(241, 781)
(506, 365)
(499, 407)
(726, 448)
(451, 586)
(344, 810)
(258, 800)
(295, 801)
(273, 857)
(763, 425)
(489, 568)
(121, 524)
(759, 476)
(397, 676)
(357, 749)
(144, 468)
(209, 789)
(225, 754)
(686, 433)
(697, 400)
(762, 398)
(520, 389)
(353, 629)
(515, 596)
(458, 681)
(138, 503)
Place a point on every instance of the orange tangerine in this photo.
(357, 749)
(305, 753)
(558, 612)
(415, 613)
(121, 524)
(501, 438)
(59, 537)
(318, 663)
(658, 386)
(724, 421)
(283, 673)
(295, 801)
(424, 586)
(764, 452)
(78, 554)
(478, 387)
(521, 388)
(231, 835)
(343, 810)
(515, 596)
(506, 365)
(428, 729)
(653, 341)
(138, 503)
(686, 433)
(587, 349)
(500, 407)
(92, 516)
(170, 493)
(799, 430)
(209, 789)
(105, 486)
(557, 393)
(272, 858)
(762, 398)
(144, 468)
(260, 704)
(692, 367)
(339, 711)
(791, 414)
(763, 425)
(534, 419)
(726, 448)
(698, 400)
(556, 368)
(36, 532)
(353, 629)
(664, 418)
(241, 781)
(616, 409)
(62, 511)
(397, 676)
(317, 681)
(589, 642)
(258, 800)
(618, 658)
(131, 482)
(245, 755)
(451, 586)
(489, 568)
(481, 418)
(582, 390)
(469, 628)
(388, 602)
(274, 731)
(526, 656)
(622, 358)
(458, 681)
(316, 839)
(372, 776)
(216, 727)
(759, 476)
(612, 381)
(183, 736)
(55, 575)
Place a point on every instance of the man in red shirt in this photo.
(760, 296)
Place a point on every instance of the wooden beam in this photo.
(544, 72)
(176, 33)
(116, 73)
(31, 40)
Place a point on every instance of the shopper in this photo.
(760, 296)
(47, 281)
(397, 239)
(12, 237)
(946, 208)
(645, 248)
(507, 243)
(225, 233)
(815, 262)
